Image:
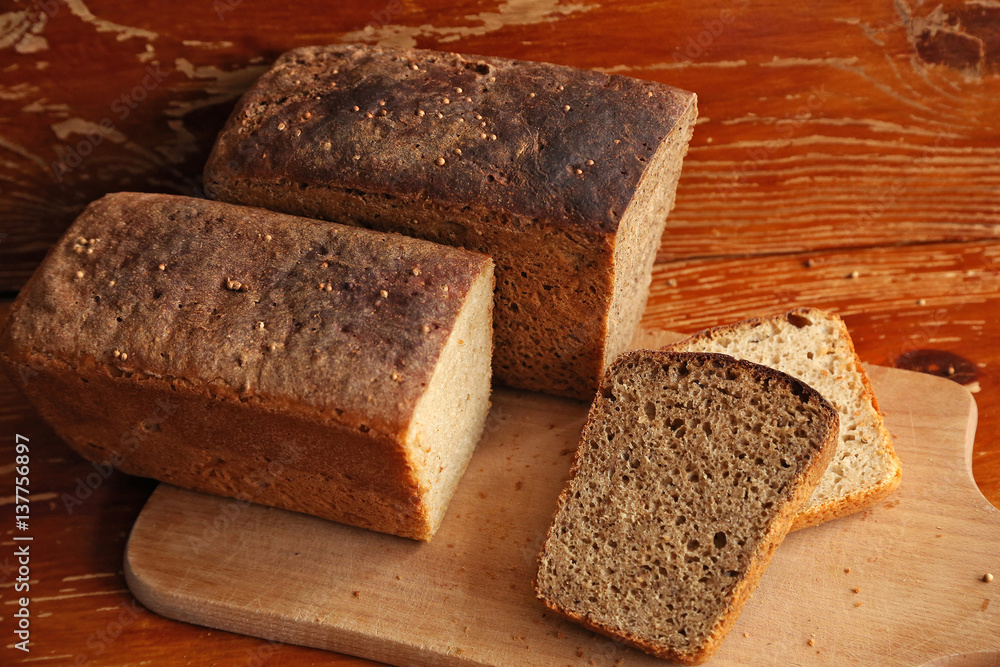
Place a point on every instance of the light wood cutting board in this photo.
(899, 584)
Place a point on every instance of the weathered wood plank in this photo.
(822, 126)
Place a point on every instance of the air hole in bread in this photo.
(798, 321)
(703, 554)
(479, 68)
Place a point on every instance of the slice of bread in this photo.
(815, 347)
(689, 474)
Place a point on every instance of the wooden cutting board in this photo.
(899, 584)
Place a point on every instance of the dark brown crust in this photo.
(172, 431)
(854, 502)
(348, 362)
(295, 143)
(616, 121)
(809, 473)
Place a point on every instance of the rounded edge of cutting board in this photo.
(145, 591)
(966, 407)
(155, 586)
(977, 659)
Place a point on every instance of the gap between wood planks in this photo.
(829, 250)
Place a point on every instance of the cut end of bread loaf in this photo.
(690, 471)
(448, 419)
(816, 347)
(638, 238)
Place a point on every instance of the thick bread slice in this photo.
(815, 347)
(318, 368)
(689, 474)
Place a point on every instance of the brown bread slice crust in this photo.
(690, 472)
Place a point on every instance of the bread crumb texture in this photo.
(815, 347)
(689, 471)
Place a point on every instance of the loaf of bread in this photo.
(689, 474)
(564, 176)
(816, 347)
(305, 365)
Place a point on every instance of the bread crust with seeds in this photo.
(255, 355)
(564, 176)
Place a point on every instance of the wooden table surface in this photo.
(847, 157)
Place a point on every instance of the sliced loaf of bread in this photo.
(690, 472)
(815, 347)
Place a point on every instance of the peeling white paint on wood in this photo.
(508, 13)
(77, 125)
(123, 32)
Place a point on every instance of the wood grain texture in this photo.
(913, 563)
(823, 125)
(861, 136)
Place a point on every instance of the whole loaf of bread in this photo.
(564, 176)
(300, 364)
